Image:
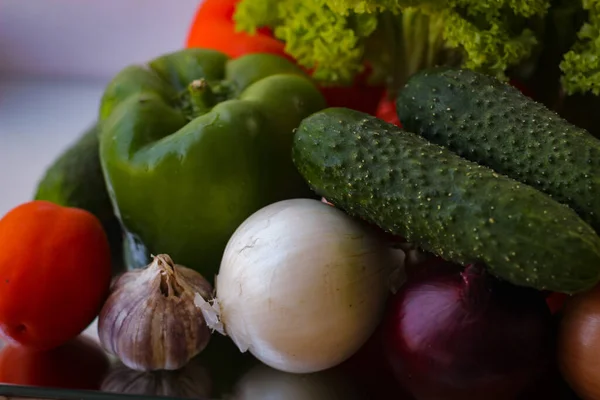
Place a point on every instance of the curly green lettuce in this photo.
(330, 44)
(334, 37)
(344, 7)
(581, 65)
(492, 49)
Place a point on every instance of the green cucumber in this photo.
(457, 209)
(489, 122)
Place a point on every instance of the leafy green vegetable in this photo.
(336, 38)
(331, 36)
(317, 37)
(370, 6)
(581, 65)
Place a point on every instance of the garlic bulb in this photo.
(149, 320)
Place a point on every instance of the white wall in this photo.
(89, 38)
(55, 58)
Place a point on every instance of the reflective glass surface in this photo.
(82, 370)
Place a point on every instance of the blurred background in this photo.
(56, 56)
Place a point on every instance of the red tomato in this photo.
(55, 273)
(79, 364)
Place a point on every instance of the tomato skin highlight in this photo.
(55, 272)
(78, 364)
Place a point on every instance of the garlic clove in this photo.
(150, 321)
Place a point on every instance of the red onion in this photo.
(454, 333)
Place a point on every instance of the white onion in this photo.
(302, 285)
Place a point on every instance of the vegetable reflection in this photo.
(78, 364)
(263, 382)
(191, 381)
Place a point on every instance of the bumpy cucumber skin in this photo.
(492, 123)
(462, 211)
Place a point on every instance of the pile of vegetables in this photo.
(399, 193)
(358, 50)
(337, 37)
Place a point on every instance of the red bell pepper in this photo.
(213, 28)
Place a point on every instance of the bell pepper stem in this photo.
(202, 97)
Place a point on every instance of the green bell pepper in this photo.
(194, 142)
